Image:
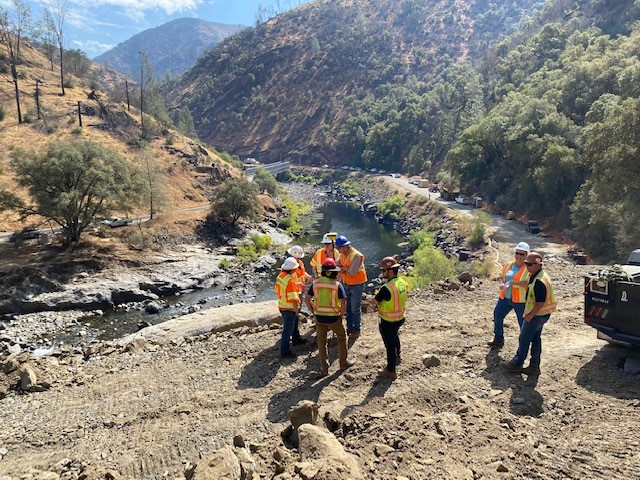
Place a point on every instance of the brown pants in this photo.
(322, 329)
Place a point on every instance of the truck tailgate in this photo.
(613, 304)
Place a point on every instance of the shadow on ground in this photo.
(605, 373)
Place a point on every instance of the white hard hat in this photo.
(326, 239)
(523, 246)
(289, 264)
(296, 251)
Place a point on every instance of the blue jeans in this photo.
(289, 329)
(530, 334)
(354, 306)
(389, 332)
(503, 307)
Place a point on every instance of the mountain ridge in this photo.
(171, 48)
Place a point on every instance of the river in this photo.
(371, 238)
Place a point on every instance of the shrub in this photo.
(391, 207)
(261, 242)
(431, 265)
(225, 264)
(476, 236)
(418, 237)
(266, 181)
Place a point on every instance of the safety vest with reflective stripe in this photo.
(518, 294)
(287, 291)
(300, 276)
(393, 310)
(320, 256)
(325, 297)
(549, 302)
(361, 274)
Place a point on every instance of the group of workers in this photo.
(527, 290)
(333, 292)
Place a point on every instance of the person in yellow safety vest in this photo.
(540, 303)
(326, 301)
(327, 251)
(515, 279)
(289, 306)
(391, 300)
(354, 278)
(300, 275)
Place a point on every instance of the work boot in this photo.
(354, 334)
(387, 374)
(289, 354)
(531, 370)
(495, 343)
(511, 367)
(299, 341)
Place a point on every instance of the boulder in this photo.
(119, 297)
(302, 413)
(221, 464)
(430, 360)
(325, 456)
(28, 378)
(465, 278)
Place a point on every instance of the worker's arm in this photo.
(540, 291)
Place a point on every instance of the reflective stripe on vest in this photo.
(286, 290)
(361, 274)
(320, 256)
(393, 310)
(549, 302)
(325, 297)
(518, 294)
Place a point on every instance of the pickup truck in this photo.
(612, 302)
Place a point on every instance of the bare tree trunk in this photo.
(61, 71)
(14, 74)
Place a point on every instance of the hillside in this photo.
(287, 88)
(188, 169)
(171, 48)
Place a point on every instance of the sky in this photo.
(96, 26)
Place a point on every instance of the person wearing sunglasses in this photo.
(515, 279)
(539, 305)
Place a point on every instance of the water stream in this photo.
(372, 239)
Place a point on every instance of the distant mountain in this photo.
(310, 84)
(171, 48)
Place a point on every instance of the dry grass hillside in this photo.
(189, 168)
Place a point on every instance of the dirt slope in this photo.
(147, 412)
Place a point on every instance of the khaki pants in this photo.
(322, 329)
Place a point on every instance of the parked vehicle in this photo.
(25, 234)
(612, 302)
(462, 200)
(114, 222)
(533, 227)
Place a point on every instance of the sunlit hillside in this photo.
(189, 169)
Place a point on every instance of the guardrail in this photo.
(275, 168)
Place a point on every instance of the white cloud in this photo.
(92, 48)
(136, 8)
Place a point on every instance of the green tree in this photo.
(71, 183)
(266, 181)
(234, 199)
(185, 123)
